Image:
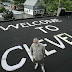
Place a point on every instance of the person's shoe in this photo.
(43, 70)
(36, 66)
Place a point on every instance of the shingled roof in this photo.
(30, 2)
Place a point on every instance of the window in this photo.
(41, 11)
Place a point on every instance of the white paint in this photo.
(50, 52)
(49, 21)
(36, 23)
(27, 24)
(56, 28)
(61, 45)
(65, 38)
(30, 24)
(47, 27)
(53, 20)
(46, 52)
(28, 51)
(40, 28)
(24, 25)
(41, 40)
(7, 67)
(56, 20)
(16, 27)
(43, 21)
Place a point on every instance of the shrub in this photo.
(7, 15)
(2, 9)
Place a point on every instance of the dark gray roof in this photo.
(30, 2)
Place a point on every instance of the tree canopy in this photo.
(53, 4)
(19, 1)
(3, 0)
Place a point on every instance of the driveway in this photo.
(15, 11)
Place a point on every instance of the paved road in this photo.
(16, 37)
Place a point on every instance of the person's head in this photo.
(36, 40)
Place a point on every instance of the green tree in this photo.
(52, 5)
(3, 0)
(67, 4)
(7, 15)
(19, 1)
(2, 9)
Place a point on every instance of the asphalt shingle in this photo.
(30, 2)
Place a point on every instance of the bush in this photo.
(7, 15)
(2, 9)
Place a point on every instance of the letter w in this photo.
(17, 26)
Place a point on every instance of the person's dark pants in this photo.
(41, 62)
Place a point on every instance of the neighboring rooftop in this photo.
(30, 2)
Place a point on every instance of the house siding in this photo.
(32, 10)
(38, 9)
(28, 9)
